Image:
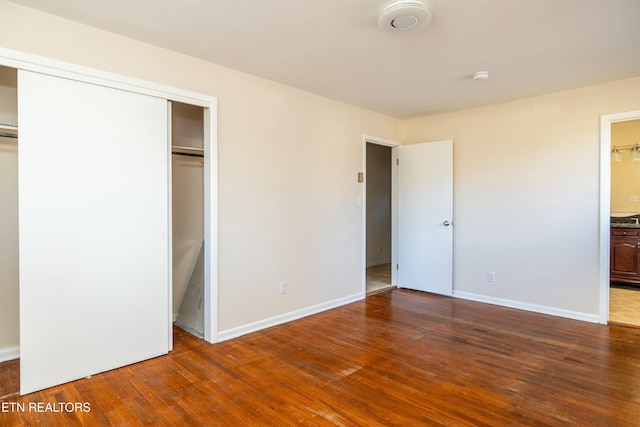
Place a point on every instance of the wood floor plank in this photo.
(400, 358)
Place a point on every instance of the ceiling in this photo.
(334, 48)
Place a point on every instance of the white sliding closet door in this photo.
(93, 198)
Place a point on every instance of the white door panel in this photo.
(425, 207)
(93, 199)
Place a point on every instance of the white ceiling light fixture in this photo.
(404, 15)
(481, 75)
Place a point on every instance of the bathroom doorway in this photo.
(624, 290)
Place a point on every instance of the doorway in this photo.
(624, 290)
(421, 215)
(379, 214)
(609, 297)
(378, 218)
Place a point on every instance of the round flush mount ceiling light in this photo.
(404, 15)
(481, 75)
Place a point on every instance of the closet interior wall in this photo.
(187, 130)
(9, 285)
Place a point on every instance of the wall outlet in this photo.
(283, 288)
(491, 276)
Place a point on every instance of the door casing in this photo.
(394, 206)
(605, 205)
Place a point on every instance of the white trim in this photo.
(173, 316)
(380, 141)
(39, 64)
(605, 205)
(394, 206)
(576, 315)
(29, 62)
(287, 317)
(9, 353)
(395, 194)
(211, 308)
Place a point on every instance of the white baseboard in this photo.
(9, 353)
(576, 315)
(378, 262)
(287, 317)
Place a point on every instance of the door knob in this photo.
(446, 223)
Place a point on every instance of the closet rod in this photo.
(188, 154)
(8, 131)
(187, 151)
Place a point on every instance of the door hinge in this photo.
(397, 266)
(398, 162)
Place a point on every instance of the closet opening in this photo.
(87, 239)
(187, 206)
(187, 216)
(9, 284)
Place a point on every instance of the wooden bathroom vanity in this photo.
(625, 254)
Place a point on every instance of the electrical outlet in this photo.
(283, 288)
(491, 276)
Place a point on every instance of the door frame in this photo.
(394, 206)
(21, 60)
(605, 204)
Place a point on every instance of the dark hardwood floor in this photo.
(397, 358)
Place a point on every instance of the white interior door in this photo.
(93, 201)
(425, 217)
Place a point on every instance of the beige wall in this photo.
(9, 314)
(288, 163)
(525, 179)
(625, 175)
(526, 196)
